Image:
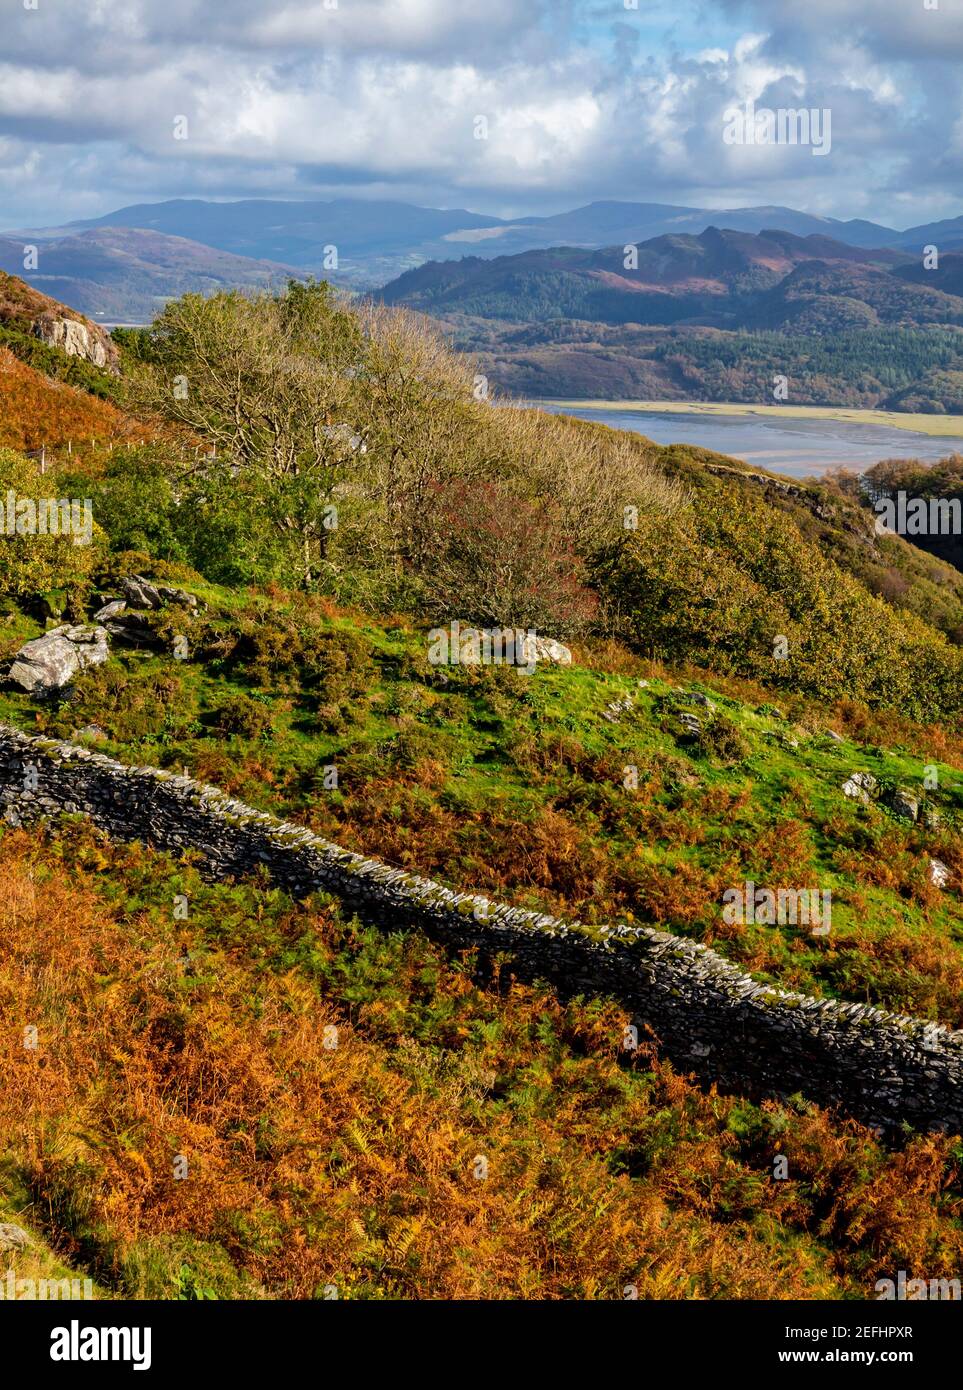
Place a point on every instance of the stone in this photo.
(904, 805)
(860, 786)
(180, 596)
(13, 1237)
(836, 738)
(696, 697)
(141, 593)
(546, 649)
(110, 610)
(144, 593)
(73, 338)
(51, 662)
(855, 792)
(135, 629)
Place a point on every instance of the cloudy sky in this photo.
(583, 99)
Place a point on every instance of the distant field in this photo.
(923, 424)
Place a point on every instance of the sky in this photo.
(506, 107)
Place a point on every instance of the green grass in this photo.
(514, 786)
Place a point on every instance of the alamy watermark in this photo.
(491, 646)
(752, 125)
(807, 907)
(43, 1290)
(918, 516)
(47, 516)
(906, 1290)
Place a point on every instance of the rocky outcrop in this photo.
(860, 787)
(143, 593)
(51, 662)
(129, 618)
(707, 1016)
(508, 645)
(76, 339)
(545, 649)
(904, 805)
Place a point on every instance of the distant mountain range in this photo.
(721, 278)
(132, 259)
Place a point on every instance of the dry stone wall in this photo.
(706, 1016)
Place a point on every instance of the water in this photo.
(798, 448)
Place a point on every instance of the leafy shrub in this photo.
(499, 558)
(243, 716)
(129, 705)
(721, 739)
(718, 584)
(297, 651)
(37, 564)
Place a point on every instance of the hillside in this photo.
(712, 317)
(946, 276)
(58, 375)
(126, 274)
(758, 689)
(435, 1067)
(197, 1038)
(26, 313)
(723, 277)
(380, 238)
(38, 411)
(377, 240)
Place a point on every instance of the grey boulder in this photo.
(938, 874)
(51, 662)
(860, 786)
(143, 593)
(904, 805)
(13, 1237)
(545, 649)
(110, 610)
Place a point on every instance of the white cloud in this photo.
(379, 97)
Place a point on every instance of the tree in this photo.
(270, 382)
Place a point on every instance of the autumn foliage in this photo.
(448, 1140)
(36, 411)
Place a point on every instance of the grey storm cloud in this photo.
(582, 98)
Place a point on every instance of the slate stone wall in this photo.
(706, 1016)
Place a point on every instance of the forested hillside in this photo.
(713, 317)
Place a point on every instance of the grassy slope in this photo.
(514, 785)
(36, 410)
